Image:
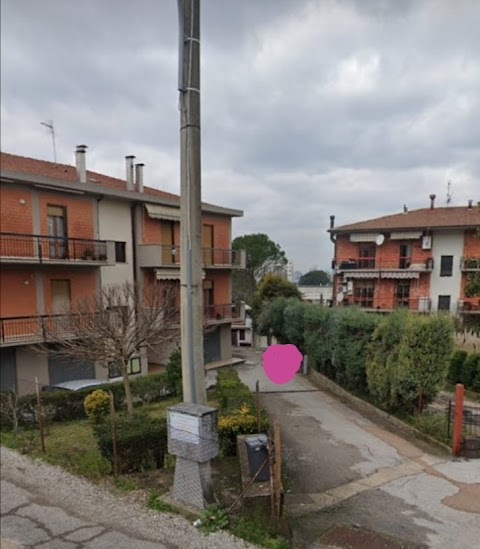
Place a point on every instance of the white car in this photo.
(75, 385)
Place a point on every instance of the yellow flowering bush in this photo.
(96, 405)
(242, 422)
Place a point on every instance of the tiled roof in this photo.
(64, 172)
(461, 216)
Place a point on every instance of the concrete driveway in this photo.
(342, 469)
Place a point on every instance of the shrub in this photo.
(232, 393)
(141, 441)
(96, 405)
(354, 329)
(409, 355)
(470, 369)
(150, 388)
(174, 372)
(319, 326)
(294, 320)
(242, 422)
(456, 366)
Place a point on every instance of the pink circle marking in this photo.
(281, 362)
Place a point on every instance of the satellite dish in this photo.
(380, 239)
(339, 297)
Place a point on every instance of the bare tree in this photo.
(9, 408)
(111, 327)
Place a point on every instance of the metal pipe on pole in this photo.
(191, 295)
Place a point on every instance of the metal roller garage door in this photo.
(8, 370)
(60, 370)
(211, 346)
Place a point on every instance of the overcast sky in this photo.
(309, 108)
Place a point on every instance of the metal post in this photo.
(40, 416)
(190, 205)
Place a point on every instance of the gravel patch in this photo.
(97, 505)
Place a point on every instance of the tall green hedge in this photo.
(409, 357)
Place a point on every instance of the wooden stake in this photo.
(40, 415)
(277, 468)
(257, 403)
(272, 481)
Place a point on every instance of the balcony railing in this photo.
(33, 329)
(470, 264)
(38, 248)
(228, 311)
(384, 304)
(390, 263)
(167, 255)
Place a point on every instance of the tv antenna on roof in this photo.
(49, 125)
(449, 193)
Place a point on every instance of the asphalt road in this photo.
(343, 469)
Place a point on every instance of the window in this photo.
(402, 293)
(57, 231)
(444, 303)
(134, 367)
(120, 252)
(405, 256)
(366, 257)
(363, 293)
(446, 265)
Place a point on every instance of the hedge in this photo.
(62, 406)
(141, 441)
(237, 411)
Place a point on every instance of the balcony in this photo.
(24, 330)
(218, 314)
(386, 305)
(166, 255)
(385, 267)
(37, 249)
(470, 264)
(468, 306)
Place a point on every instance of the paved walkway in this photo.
(343, 469)
(43, 507)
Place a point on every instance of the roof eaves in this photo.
(10, 176)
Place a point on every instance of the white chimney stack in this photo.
(139, 177)
(80, 162)
(129, 166)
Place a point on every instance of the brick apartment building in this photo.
(65, 232)
(419, 259)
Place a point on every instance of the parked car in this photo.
(75, 385)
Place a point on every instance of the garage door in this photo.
(8, 370)
(60, 370)
(211, 346)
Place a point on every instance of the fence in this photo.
(463, 423)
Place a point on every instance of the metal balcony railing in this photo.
(386, 303)
(33, 329)
(382, 262)
(15, 246)
(470, 264)
(228, 311)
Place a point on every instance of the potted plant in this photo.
(87, 253)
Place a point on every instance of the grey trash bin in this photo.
(257, 452)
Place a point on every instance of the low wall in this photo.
(362, 406)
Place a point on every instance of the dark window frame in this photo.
(402, 293)
(442, 302)
(114, 371)
(120, 251)
(405, 255)
(446, 265)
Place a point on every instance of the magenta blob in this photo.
(281, 362)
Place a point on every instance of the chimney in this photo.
(139, 177)
(81, 163)
(129, 166)
(432, 201)
(470, 204)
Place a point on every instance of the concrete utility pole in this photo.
(191, 294)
